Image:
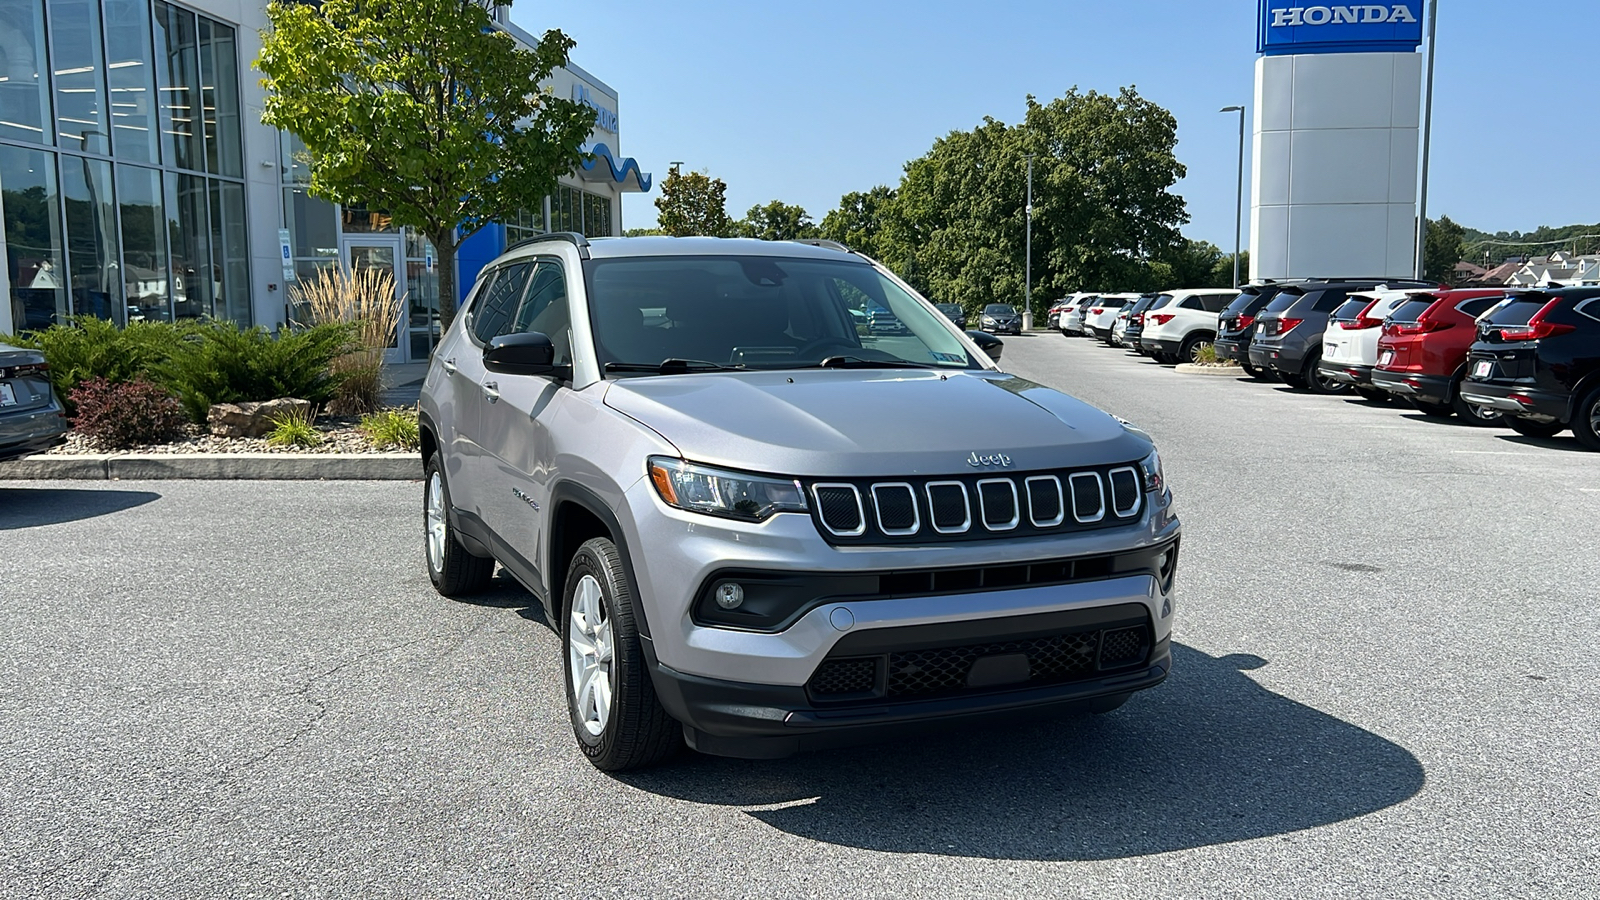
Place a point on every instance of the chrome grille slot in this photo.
(1126, 493)
(949, 507)
(896, 508)
(1088, 497)
(1046, 504)
(840, 508)
(997, 503)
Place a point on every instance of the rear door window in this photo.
(1190, 303)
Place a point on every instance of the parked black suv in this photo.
(1236, 326)
(1537, 358)
(1135, 326)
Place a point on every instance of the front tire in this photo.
(616, 716)
(453, 571)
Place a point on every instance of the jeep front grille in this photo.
(976, 507)
(915, 674)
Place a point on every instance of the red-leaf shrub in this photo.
(117, 416)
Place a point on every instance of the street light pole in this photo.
(1427, 137)
(1027, 265)
(1238, 201)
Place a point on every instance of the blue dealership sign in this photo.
(1308, 26)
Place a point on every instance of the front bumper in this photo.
(760, 721)
(1357, 375)
(1517, 400)
(1425, 388)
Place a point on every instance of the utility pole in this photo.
(1027, 265)
(1427, 136)
(1238, 200)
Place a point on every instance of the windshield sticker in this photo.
(947, 357)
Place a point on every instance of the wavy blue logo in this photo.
(619, 171)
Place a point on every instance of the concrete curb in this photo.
(1225, 371)
(218, 467)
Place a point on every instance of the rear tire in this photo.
(453, 571)
(1189, 352)
(1586, 420)
(1319, 383)
(1474, 415)
(1530, 428)
(1437, 410)
(617, 718)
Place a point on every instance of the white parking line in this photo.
(1492, 452)
(1590, 490)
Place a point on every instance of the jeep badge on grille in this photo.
(994, 460)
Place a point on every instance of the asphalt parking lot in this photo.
(1380, 690)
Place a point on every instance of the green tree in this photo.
(776, 221)
(642, 232)
(1443, 247)
(859, 219)
(1104, 210)
(693, 205)
(422, 109)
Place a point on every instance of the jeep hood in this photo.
(820, 423)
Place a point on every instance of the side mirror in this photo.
(988, 343)
(520, 354)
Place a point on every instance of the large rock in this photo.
(251, 420)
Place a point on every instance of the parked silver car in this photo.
(31, 419)
(754, 527)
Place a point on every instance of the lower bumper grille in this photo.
(1003, 664)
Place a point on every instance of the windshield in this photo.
(1515, 310)
(1352, 308)
(1283, 301)
(998, 309)
(760, 312)
(947, 308)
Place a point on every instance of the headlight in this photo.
(1155, 480)
(718, 492)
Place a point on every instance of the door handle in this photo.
(491, 389)
(449, 365)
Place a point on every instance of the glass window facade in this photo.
(580, 211)
(121, 163)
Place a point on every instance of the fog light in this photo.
(730, 596)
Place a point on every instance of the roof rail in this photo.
(572, 237)
(823, 243)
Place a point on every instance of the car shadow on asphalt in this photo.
(30, 507)
(1211, 757)
(1564, 441)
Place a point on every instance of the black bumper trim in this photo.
(1426, 388)
(762, 721)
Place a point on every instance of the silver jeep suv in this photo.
(761, 527)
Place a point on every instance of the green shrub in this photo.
(295, 429)
(119, 416)
(86, 348)
(1206, 354)
(392, 428)
(223, 363)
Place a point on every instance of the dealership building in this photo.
(137, 182)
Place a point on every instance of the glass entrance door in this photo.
(380, 252)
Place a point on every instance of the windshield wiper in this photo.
(672, 367)
(856, 362)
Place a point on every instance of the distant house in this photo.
(1467, 273)
(1562, 269)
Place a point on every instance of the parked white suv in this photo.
(1099, 316)
(1350, 343)
(1071, 321)
(1180, 327)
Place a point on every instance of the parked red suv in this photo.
(1422, 354)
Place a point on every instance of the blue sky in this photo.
(804, 102)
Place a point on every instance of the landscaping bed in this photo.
(335, 435)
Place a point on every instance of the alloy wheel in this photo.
(1196, 350)
(590, 651)
(1594, 416)
(438, 525)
